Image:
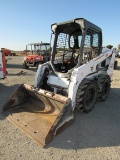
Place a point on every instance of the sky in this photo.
(29, 21)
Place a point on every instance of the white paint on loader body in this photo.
(87, 70)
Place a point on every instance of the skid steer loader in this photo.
(78, 74)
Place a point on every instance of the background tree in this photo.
(109, 46)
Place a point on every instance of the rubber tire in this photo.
(105, 88)
(91, 85)
(115, 64)
(25, 66)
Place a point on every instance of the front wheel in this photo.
(105, 88)
(86, 96)
(115, 64)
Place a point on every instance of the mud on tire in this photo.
(115, 64)
(86, 95)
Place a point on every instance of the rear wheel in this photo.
(105, 88)
(86, 95)
(115, 65)
(25, 66)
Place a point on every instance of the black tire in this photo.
(25, 66)
(105, 84)
(86, 96)
(105, 88)
(115, 64)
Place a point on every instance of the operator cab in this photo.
(75, 43)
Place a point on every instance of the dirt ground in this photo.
(93, 136)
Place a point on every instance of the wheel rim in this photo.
(90, 97)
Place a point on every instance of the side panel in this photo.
(83, 71)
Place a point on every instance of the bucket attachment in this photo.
(40, 115)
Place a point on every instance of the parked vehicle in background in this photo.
(36, 53)
(8, 52)
(2, 66)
